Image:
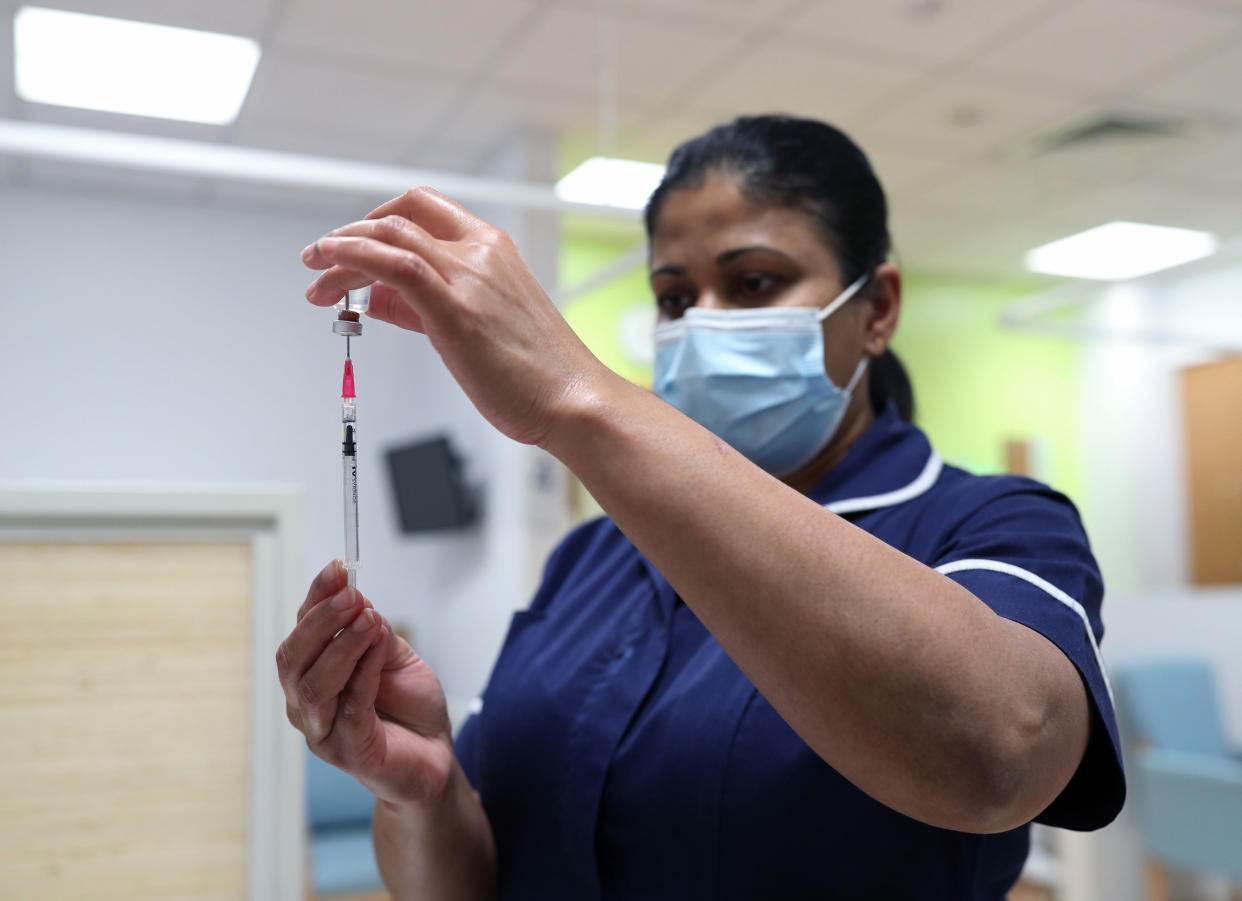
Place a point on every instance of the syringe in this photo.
(349, 472)
(348, 324)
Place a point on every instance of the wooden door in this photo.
(125, 682)
(1212, 405)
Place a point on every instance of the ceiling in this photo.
(955, 101)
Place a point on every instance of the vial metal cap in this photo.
(345, 327)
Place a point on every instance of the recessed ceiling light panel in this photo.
(1121, 250)
(120, 66)
(611, 182)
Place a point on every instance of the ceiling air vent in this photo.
(1109, 128)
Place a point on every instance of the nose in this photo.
(710, 300)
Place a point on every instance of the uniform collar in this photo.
(891, 463)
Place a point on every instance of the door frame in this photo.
(271, 518)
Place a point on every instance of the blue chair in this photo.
(1188, 785)
(338, 812)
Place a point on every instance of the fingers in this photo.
(329, 581)
(332, 285)
(354, 716)
(389, 306)
(402, 269)
(314, 631)
(439, 216)
(319, 689)
(395, 231)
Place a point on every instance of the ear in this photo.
(883, 309)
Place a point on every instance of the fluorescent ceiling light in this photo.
(119, 66)
(606, 181)
(1120, 250)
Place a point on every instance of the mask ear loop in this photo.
(827, 311)
(843, 297)
(857, 376)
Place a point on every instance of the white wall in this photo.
(1136, 505)
(154, 340)
(1136, 514)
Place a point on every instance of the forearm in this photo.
(442, 851)
(887, 669)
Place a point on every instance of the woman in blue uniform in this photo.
(800, 657)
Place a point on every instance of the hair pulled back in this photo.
(811, 166)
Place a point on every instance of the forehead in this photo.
(698, 224)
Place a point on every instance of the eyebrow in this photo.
(724, 259)
(730, 255)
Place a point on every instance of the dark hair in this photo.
(814, 167)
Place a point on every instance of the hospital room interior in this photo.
(1065, 205)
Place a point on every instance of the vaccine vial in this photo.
(355, 301)
(349, 310)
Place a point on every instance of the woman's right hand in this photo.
(364, 700)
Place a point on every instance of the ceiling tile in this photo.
(1107, 161)
(901, 166)
(970, 115)
(711, 12)
(654, 60)
(939, 30)
(802, 81)
(1210, 164)
(934, 244)
(1158, 204)
(318, 96)
(488, 115)
(248, 19)
(459, 36)
(650, 137)
(1213, 83)
(989, 191)
(1231, 7)
(1104, 45)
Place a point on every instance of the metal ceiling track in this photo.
(120, 150)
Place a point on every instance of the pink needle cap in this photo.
(347, 386)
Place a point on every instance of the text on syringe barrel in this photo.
(349, 481)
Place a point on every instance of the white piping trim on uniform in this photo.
(476, 706)
(1009, 569)
(921, 485)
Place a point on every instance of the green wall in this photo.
(976, 385)
(595, 315)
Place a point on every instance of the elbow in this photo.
(1020, 772)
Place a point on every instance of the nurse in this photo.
(800, 657)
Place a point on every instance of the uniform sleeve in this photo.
(465, 747)
(1022, 550)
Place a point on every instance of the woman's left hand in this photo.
(437, 269)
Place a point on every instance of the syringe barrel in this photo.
(349, 474)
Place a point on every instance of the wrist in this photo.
(587, 411)
(432, 792)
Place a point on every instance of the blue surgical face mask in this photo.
(756, 378)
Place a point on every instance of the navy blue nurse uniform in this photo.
(620, 753)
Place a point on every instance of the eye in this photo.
(758, 285)
(672, 304)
